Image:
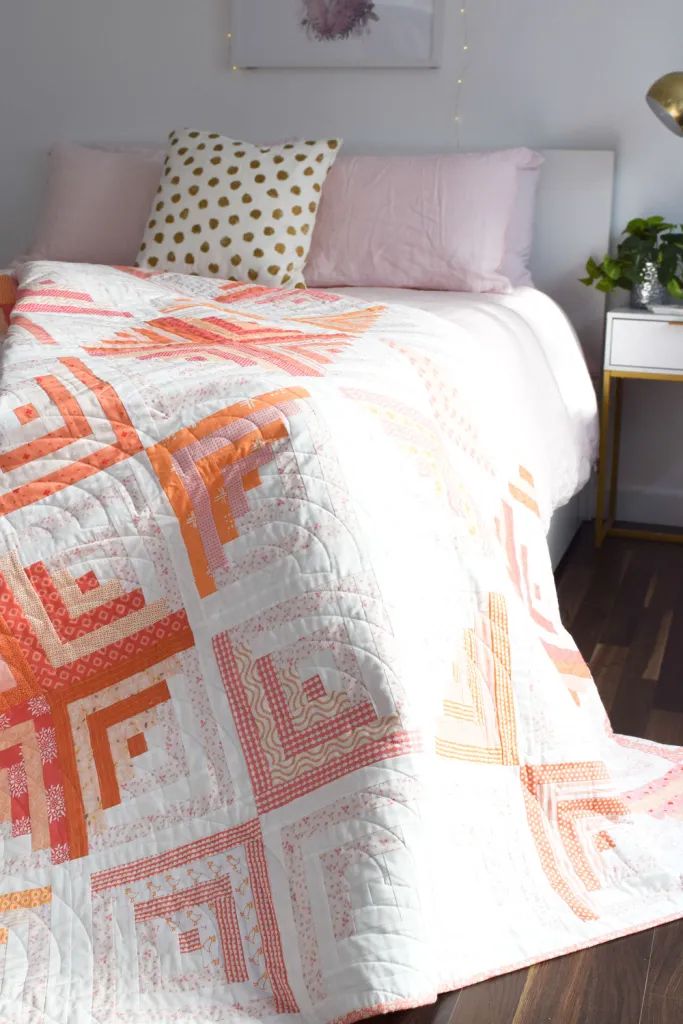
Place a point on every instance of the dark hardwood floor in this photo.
(624, 607)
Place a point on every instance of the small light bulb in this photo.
(460, 81)
(229, 35)
(235, 68)
(465, 47)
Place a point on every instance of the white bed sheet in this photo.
(539, 382)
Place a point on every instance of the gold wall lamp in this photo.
(665, 99)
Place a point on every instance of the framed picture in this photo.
(336, 33)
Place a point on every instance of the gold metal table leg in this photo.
(616, 450)
(600, 524)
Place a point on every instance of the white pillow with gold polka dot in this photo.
(234, 210)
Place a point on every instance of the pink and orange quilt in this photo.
(290, 728)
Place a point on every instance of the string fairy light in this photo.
(463, 63)
(228, 36)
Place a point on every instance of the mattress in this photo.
(536, 372)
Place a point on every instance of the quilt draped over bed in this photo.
(289, 725)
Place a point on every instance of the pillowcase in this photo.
(519, 237)
(432, 222)
(97, 204)
(237, 211)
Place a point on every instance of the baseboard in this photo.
(638, 505)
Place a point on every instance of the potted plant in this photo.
(648, 263)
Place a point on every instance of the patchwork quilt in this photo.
(290, 728)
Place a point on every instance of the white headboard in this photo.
(573, 221)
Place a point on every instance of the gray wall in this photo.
(548, 73)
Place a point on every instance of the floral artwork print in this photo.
(336, 33)
(326, 20)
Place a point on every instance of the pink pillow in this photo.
(432, 222)
(520, 233)
(97, 204)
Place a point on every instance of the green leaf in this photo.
(630, 244)
(675, 289)
(612, 268)
(668, 264)
(631, 276)
(606, 285)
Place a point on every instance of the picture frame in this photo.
(336, 33)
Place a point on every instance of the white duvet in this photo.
(525, 349)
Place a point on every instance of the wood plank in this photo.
(572, 587)
(666, 963)
(588, 623)
(653, 669)
(496, 1000)
(661, 1011)
(440, 1012)
(669, 694)
(632, 705)
(649, 639)
(607, 666)
(625, 616)
(602, 985)
(665, 727)
(446, 1008)
(663, 1003)
(651, 590)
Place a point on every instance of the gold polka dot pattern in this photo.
(239, 211)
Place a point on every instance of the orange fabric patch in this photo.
(524, 499)
(27, 899)
(26, 413)
(8, 297)
(137, 744)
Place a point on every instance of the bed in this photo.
(290, 728)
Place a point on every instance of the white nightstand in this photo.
(639, 346)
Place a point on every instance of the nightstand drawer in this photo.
(647, 344)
